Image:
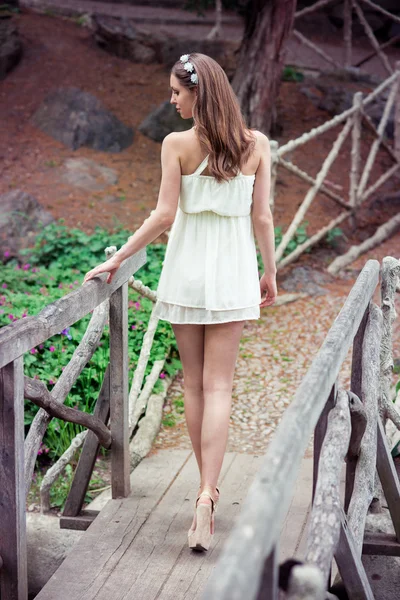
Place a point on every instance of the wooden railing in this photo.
(347, 424)
(18, 456)
(359, 173)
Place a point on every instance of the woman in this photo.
(215, 191)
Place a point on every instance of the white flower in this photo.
(188, 67)
(184, 58)
(194, 78)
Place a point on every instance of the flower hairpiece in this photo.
(189, 67)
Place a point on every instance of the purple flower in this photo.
(162, 375)
(52, 348)
(33, 351)
(60, 286)
(51, 382)
(71, 287)
(137, 304)
(26, 267)
(7, 253)
(41, 346)
(133, 327)
(11, 317)
(24, 315)
(4, 285)
(66, 333)
(34, 270)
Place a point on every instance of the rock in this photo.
(10, 46)
(21, 217)
(48, 545)
(122, 37)
(87, 174)
(162, 121)
(76, 118)
(306, 279)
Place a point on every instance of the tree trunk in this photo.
(256, 81)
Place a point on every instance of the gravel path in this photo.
(274, 355)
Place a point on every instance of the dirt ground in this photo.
(58, 52)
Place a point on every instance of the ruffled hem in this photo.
(180, 315)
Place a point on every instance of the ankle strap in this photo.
(213, 502)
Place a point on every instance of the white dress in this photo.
(210, 272)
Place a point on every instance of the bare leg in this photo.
(221, 344)
(190, 340)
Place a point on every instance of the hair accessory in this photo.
(189, 67)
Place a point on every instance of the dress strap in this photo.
(201, 166)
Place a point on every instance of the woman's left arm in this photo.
(160, 219)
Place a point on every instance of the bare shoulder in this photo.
(262, 142)
(179, 138)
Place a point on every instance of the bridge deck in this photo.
(137, 546)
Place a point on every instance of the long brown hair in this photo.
(220, 126)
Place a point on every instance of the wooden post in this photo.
(397, 118)
(120, 464)
(347, 33)
(13, 574)
(356, 379)
(274, 168)
(350, 566)
(269, 579)
(87, 459)
(319, 433)
(355, 150)
(389, 479)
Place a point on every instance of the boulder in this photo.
(10, 45)
(76, 118)
(48, 546)
(122, 37)
(161, 121)
(21, 217)
(86, 173)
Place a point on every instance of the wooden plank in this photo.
(79, 522)
(388, 476)
(298, 513)
(120, 456)
(381, 544)
(13, 574)
(19, 337)
(240, 566)
(191, 570)
(356, 379)
(142, 567)
(269, 581)
(87, 459)
(106, 540)
(350, 566)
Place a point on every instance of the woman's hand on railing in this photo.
(268, 289)
(110, 266)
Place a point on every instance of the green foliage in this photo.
(299, 238)
(56, 266)
(291, 74)
(60, 489)
(333, 235)
(8, 8)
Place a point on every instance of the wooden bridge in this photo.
(135, 546)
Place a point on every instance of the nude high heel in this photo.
(200, 538)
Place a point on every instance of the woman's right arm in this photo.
(263, 222)
(159, 220)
